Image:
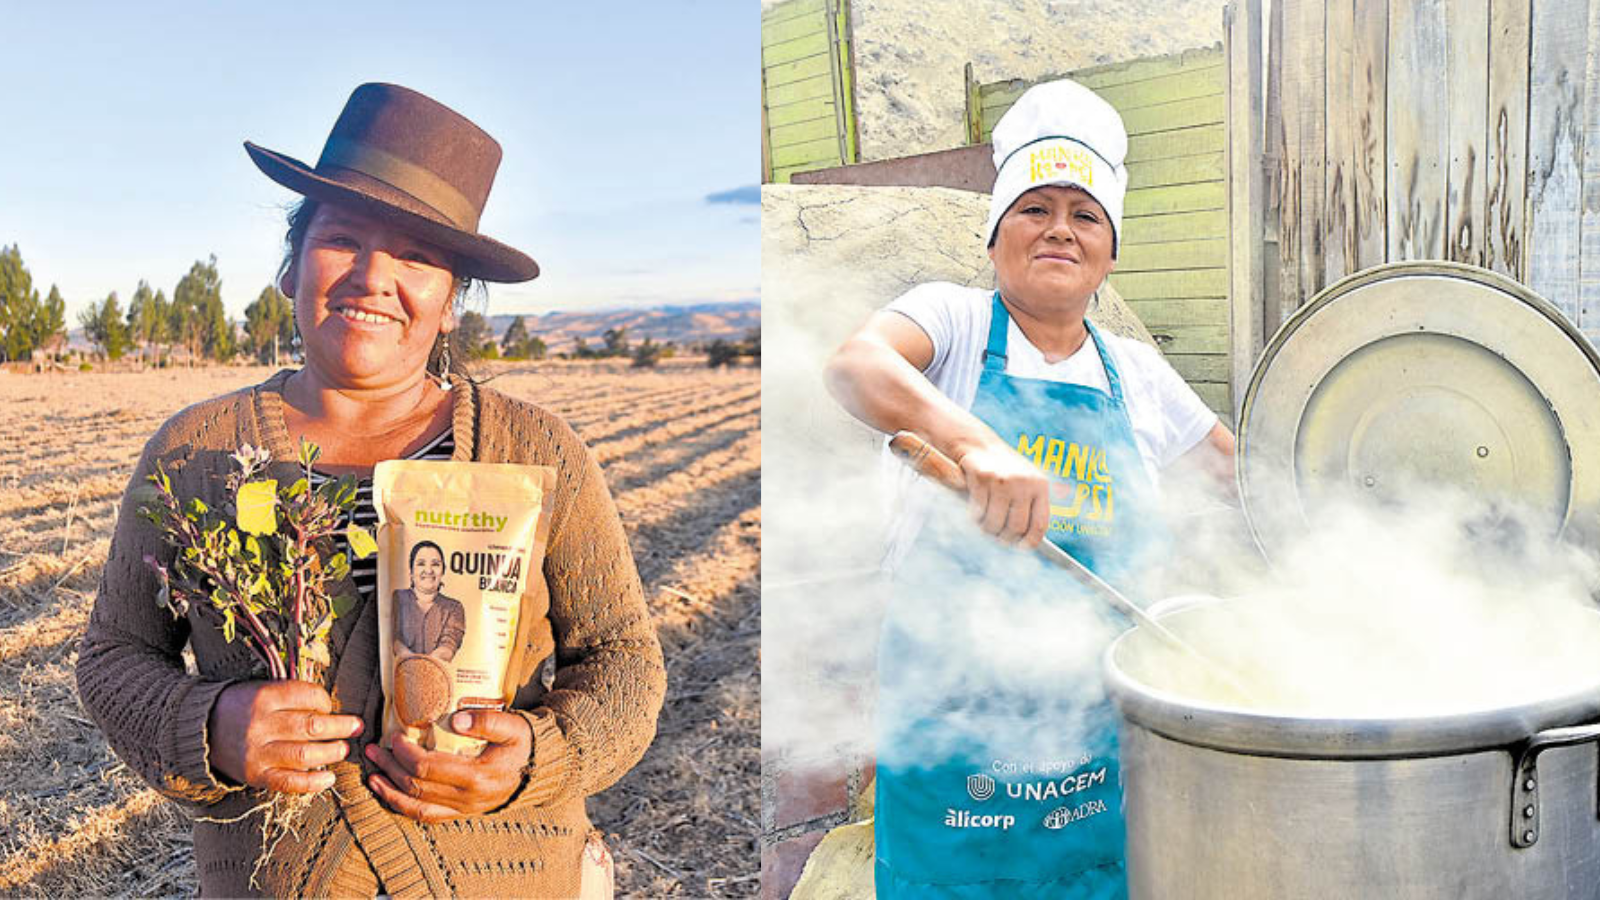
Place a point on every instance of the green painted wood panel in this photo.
(826, 149)
(800, 111)
(1192, 339)
(799, 48)
(1176, 285)
(799, 70)
(1214, 396)
(1161, 313)
(1210, 223)
(1193, 64)
(1176, 198)
(805, 132)
(1179, 170)
(806, 99)
(793, 9)
(792, 29)
(810, 89)
(1200, 367)
(1177, 114)
(1195, 141)
(1208, 253)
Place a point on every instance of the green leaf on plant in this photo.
(229, 627)
(342, 604)
(361, 542)
(299, 487)
(258, 507)
(198, 507)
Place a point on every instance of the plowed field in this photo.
(681, 449)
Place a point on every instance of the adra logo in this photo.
(464, 521)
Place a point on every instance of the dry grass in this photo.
(681, 450)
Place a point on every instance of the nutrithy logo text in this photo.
(1050, 163)
(461, 521)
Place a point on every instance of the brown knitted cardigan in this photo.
(589, 728)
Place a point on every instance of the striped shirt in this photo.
(364, 572)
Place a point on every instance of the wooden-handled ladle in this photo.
(935, 466)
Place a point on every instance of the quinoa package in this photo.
(457, 543)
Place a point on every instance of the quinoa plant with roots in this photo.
(265, 571)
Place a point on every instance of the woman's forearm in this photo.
(879, 386)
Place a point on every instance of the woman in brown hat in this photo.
(379, 254)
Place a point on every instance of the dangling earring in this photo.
(444, 363)
(294, 342)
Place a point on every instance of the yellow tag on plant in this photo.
(258, 508)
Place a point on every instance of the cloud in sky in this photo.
(746, 194)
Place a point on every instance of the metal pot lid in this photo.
(1430, 371)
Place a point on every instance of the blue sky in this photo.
(631, 137)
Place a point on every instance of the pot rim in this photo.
(1241, 730)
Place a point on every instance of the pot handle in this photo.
(1525, 778)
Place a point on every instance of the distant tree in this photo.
(582, 350)
(19, 302)
(50, 320)
(197, 311)
(472, 334)
(752, 344)
(147, 325)
(722, 353)
(103, 325)
(515, 338)
(647, 354)
(537, 348)
(616, 341)
(269, 324)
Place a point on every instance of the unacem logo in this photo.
(980, 787)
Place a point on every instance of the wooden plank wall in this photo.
(807, 107)
(1466, 130)
(1172, 265)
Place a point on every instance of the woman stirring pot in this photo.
(379, 254)
(993, 779)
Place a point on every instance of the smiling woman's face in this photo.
(370, 300)
(1052, 250)
(427, 571)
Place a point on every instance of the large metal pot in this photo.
(1223, 802)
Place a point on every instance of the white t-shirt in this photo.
(1168, 418)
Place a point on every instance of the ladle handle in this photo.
(932, 464)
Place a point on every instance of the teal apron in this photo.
(971, 802)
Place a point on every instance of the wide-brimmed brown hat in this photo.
(399, 156)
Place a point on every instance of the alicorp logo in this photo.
(980, 787)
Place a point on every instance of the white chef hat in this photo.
(1060, 132)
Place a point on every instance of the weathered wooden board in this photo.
(1557, 62)
(1589, 259)
(1246, 204)
(1215, 397)
(1190, 63)
(1369, 209)
(1467, 84)
(796, 27)
(1340, 101)
(1418, 129)
(1206, 253)
(807, 119)
(1293, 44)
(1313, 145)
(1507, 153)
